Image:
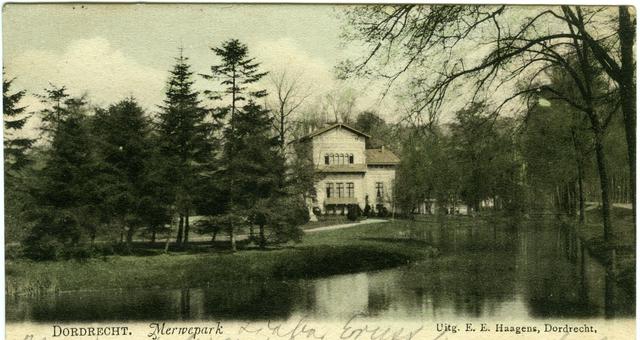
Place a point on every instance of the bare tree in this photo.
(290, 94)
(503, 55)
(340, 104)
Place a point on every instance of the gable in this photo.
(340, 127)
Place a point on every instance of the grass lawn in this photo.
(327, 220)
(360, 248)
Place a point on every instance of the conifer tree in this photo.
(16, 160)
(125, 153)
(57, 106)
(236, 73)
(15, 117)
(64, 192)
(186, 141)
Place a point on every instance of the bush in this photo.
(367, 210)
(284, 232)
(353, 212)
(43, 248)
(382, 211)
(79, 252)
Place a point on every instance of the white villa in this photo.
(350, 173)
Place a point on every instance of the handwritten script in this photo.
(356, 328)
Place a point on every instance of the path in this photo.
(347, 225)
(594, 205)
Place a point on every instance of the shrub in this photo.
(78, 252)
(43, 248)
(367, 210)
(353, 212)
(382, 211)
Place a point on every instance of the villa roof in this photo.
(331, 127)
(382, 156)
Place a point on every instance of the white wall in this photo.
(358, 184)
(338, 140)
(385, 175)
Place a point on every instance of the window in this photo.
(338, 158)
(340, 189)
(379, 189)
(350, 191)
(329, 190)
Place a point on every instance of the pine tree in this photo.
(58, 105)
(236, 73)
(124, 147)
(186, 141)
(64, 192)
(15, 117)
(16, 161)
(254, 166)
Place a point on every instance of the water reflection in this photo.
(502, 272)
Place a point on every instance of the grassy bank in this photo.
(360, 248)
(623, 242)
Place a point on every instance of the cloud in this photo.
(316, 74)
(281, 54)
(93, 66)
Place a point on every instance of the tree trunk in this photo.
(282, 129)
(166, 244)
(628, 93)
(558, 201)
(263, 239)
(130, 231)
(213, 237)
(186, 229)
(232, 238)
(153, 235)
(604, 186)
(580, 193)
(180, 226)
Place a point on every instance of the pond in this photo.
(483, 272)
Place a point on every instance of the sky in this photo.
(112, 51)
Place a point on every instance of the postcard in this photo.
(319, 171)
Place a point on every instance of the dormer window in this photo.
(326, 159)
(350, 158)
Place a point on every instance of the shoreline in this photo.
(319, 255)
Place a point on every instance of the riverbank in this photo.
(623, 243)
(360, 248)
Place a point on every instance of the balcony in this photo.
(342, 168)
